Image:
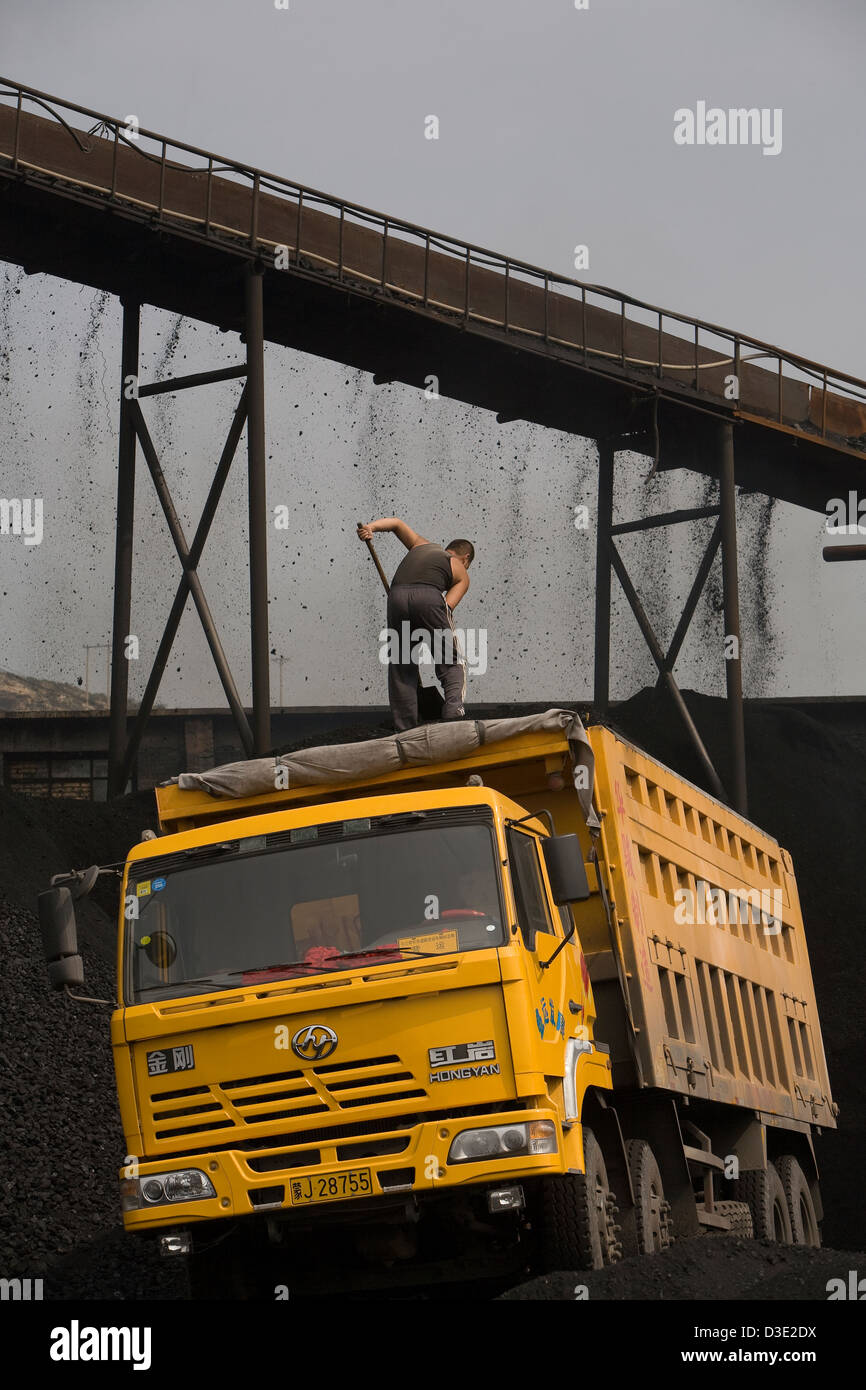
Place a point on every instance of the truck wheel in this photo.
(740, 1218)
(765, 1194)
(801, 1209)
(578, 1215)
(648, 1226)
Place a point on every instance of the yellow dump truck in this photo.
(474, 1000)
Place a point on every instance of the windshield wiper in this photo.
(385, 951)
(286, 965)
(330, 961)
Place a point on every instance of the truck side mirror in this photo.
(60, 938)
(563, 859)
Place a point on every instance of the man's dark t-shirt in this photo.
(425, 564)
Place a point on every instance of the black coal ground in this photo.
(707, 1269)
(61, 1143)
(60, 1137)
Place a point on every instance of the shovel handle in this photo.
(377, 563)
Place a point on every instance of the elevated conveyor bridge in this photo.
(93, 199)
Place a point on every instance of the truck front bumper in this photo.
(291, 1180)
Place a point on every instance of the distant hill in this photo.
(26, 695)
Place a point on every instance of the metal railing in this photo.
(639, 321)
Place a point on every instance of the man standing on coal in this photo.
(427, 586)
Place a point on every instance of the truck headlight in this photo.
(503, 1141)
(161, 1189)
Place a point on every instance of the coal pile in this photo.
(61, 1144)
(705, 1268)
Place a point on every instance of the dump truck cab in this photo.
(334, 1006)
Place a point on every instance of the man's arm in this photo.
(403, 532)
(460, 583)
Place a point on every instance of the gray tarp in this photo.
(431, 743)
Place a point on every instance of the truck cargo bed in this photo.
(708, 924)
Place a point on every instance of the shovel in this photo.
(430, 702)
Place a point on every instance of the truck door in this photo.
(557, 1004)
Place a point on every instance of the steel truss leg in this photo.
(730, 582)
(666, 677)
(608, 557)
(258, 516)
(133, 431)
(183, 588)
(603, 548)
(123, 554)
(192, 578)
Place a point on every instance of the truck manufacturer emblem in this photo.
(480, 1056)
(314, 1043)
(171, 1059)
(462, 1052)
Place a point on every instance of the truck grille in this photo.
(375, 1138)
(333, 1087)
(385, 1076)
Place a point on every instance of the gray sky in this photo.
(556, 128)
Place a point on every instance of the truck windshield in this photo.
(250, 911)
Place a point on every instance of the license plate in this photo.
(333, 1187)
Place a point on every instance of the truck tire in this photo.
(740, 1218)
(764, 1193)
(647, 1228)
(805, 1229)
(578, 1215)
